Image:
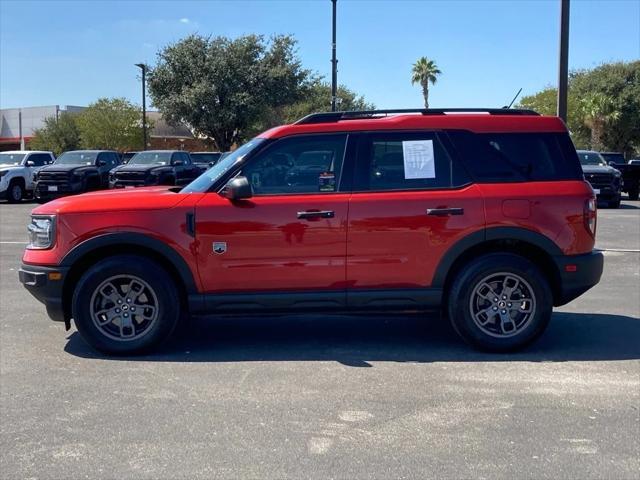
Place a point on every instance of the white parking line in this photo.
(15, 243)
(618, 250)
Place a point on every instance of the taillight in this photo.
(590, 216)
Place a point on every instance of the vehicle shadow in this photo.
(358, 340)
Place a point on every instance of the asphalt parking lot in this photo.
(328, 396)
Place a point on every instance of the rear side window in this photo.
(402, 161)
(518, 157)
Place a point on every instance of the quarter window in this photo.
(309, 164)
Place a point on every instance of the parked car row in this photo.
(39, 174)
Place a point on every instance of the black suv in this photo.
(155, 167)
(76, 171)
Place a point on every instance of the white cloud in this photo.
(184, 20)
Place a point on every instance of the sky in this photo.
(73, 52)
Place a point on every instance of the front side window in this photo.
(39, 159)
(402, 161)
(306, 164)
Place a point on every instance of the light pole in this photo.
(334, 61)
(563, 67)
(143, 67)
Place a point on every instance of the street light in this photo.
(143, 67)
(563, 68)
(334, 61)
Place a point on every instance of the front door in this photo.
(291, 235)
(411, 202)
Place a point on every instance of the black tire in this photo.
(161, 291)
(15, 193)
(461, 304)
(633, 193)
(614, 203)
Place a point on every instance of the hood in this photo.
(9, 166)
(141, 168)
(68, 168)
(598, 169)
(144, 198)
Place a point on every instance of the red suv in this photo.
(484, 214)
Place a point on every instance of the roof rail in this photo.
(327, 117)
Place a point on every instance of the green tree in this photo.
(599, 112)
(111, 123)
(425, 72)
(57, 135)
(620, 83)
(220, 87)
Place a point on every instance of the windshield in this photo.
(591, 158)
(11, 158)
(77, 158)
(205, 157)
(204, 181)
(151, 158)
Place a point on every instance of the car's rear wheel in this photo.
(16, 192)
(125, 305)
(500, 302)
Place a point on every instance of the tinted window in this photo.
(205, 157)
(504, 157)
(402, 161)
(186, 158)
(151, 158)
(310, 164)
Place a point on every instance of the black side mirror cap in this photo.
(177, 163)
(238, 188)
(101, 163)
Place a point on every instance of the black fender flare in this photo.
(486, 235)
(134, 239)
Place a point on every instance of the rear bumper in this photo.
(37, 281)
(578, 273)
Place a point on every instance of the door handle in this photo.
(444, 212)
(316, 214)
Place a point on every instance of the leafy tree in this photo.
(315, 97)
(620, 84)
(598, 110)
(220, 87)
(57, 135)
(111, 123)
(424, 72)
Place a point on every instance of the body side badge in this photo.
(219, 247)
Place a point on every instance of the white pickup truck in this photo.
(16, 172)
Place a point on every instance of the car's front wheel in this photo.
(16, 192)
(500, 302)
(125, 305)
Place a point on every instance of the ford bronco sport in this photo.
(483, 214)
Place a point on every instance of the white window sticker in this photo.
(418, 159)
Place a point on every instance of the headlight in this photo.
(77, 176)
(41, 231)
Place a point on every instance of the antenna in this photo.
(514, 99)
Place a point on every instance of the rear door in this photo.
(411, 202)
(291, 235)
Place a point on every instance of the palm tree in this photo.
(599, 111)
(425, 71)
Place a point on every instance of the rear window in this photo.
(518, 157)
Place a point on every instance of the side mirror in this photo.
(177, 163)
(237, 189)
(101, 163)
(30, 163)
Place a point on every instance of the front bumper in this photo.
(578, 273)
(41, 189)
(41, 284)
